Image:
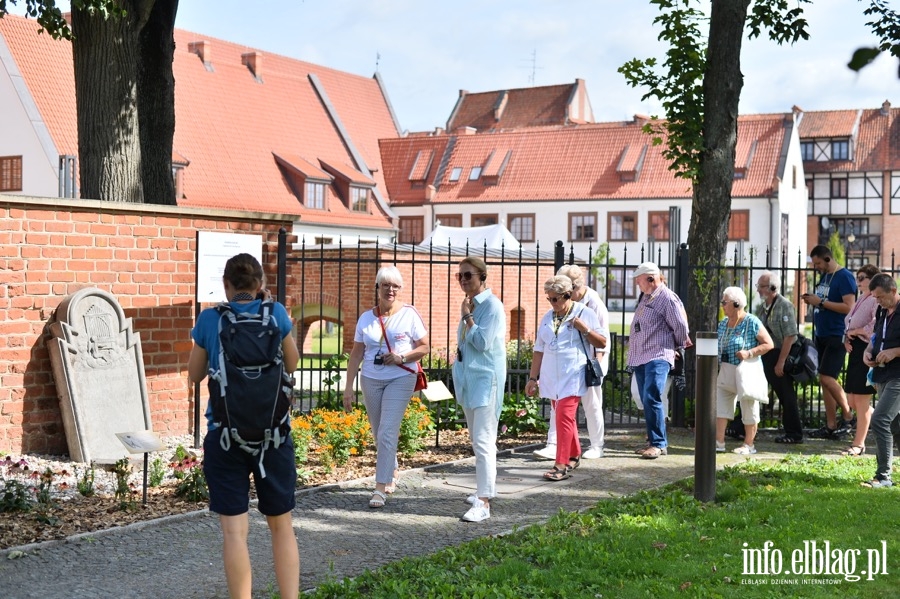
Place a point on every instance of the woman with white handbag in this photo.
(742, 340)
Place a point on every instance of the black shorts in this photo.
(832, 355)
(228, 477)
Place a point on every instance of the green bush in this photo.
(521, 414)
(414, 428)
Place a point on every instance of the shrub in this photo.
(192, 485)
(333, 396)
(521, 414)
(416, 425)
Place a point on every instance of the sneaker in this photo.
(879, 483)
(822, 433)
(843, 428)
(547, 453)
(745, 450)
(593, 453)
(478, 512)
(471, 499)
(720, 447)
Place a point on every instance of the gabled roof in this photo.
(553, 105)
(875, 133)
(237, 111)
(596, 161)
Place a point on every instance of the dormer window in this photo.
(359, 199)
(807, 151)
(455, 174)
(475, 173)
(314, 196)
(840, 149)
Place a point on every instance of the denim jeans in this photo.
(885, 426)
(651, 380)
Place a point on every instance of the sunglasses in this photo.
(465, 275)
(861, 278)
(553, 300)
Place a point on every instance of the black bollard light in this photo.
(705, 416)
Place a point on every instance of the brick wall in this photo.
(144, 256)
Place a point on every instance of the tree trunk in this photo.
(105, 54)
(711, 208)
(156, 106)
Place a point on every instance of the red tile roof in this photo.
(231, 124)
(577, 162)
(554, 105)
(875, 133)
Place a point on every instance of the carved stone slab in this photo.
(99, 373)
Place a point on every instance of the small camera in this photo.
(637, 327)
(379, 359)
(724, 357)
(458, 355)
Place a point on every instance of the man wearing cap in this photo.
(658, 329)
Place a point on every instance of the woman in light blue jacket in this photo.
(479, 377)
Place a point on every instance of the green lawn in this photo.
(663, 543)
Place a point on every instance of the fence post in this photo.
(281, 276)
(559, 257)
(682, 277)
(705, 417)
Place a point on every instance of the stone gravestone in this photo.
(99, 373)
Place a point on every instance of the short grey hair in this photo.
(574, 272)
(774, 279)
(389, 274)
(558, 284)
(735, 294)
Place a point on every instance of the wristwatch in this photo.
(402, 359)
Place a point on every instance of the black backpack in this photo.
(249, 389)
(802, 363)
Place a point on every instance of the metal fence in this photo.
(334, 283)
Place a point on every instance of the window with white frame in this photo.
(314, 195)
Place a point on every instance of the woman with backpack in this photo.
(228, 467)
(390, 340)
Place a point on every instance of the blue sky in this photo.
(430, 50)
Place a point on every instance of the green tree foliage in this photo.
(126, 106)
(886, 27)
(699, 85)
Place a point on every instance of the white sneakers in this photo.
(547, 453)
(478, 512)
(720, 447)
(471, 499)
(745, 450)
(593, 453)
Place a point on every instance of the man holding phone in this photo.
(833, 299)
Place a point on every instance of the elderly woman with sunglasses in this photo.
(859, 324)
(479, 377)
(741, 336)
(389, 340)
(560, 356)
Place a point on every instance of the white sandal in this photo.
(378, 499)
(391, 486)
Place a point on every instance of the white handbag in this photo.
(750, 380)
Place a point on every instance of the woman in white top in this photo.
(390, 339)
(560, 356)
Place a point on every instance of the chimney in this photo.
(203, 49)
(466, 130)
(253, 61)
(886, 108)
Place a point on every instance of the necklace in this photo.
(558, 319)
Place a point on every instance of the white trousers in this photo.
(592, 402)
(482, 423)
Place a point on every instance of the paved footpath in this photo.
(339, 535)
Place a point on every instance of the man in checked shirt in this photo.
(658, 329)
